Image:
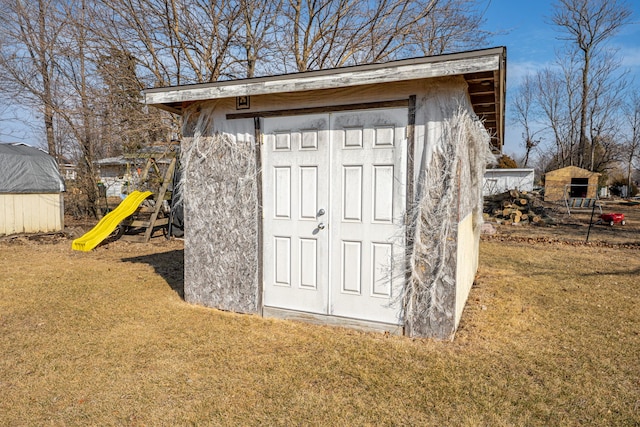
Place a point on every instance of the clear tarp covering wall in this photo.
(449, 189)
(219, 187)
(25, 169)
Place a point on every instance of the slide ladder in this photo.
(109, 222)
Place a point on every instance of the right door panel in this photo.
(368, 174)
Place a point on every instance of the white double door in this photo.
(333, 206)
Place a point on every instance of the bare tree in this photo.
(580, 114)
(553, 97)
(604, 110)
(632, 143)
(312, 31)
(332, 33)
(82, 64)
(125, 124)
(30, 31)
(257, 35)
(78, 95)
(524, 105)
(175, 41)
(394, 29)
(587, 25)
(450, 26)
(558, 106)
(49, 58)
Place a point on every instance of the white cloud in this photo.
(517, 71)
(630, 57)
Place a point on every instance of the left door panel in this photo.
(296, 171)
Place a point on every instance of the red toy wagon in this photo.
(613, 218)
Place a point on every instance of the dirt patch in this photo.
(579, 225)
(43, 238)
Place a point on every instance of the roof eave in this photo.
(490, 62)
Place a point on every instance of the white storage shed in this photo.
(498, 181)
(350, 196)
(31, 191)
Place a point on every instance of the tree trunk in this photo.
(47, 96)
(582, 145)
(86, 131)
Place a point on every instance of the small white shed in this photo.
(498, 181)
(31, 191)
(349, 196)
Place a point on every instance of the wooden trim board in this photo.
(258, 143)
(410, 195)
(320, 110)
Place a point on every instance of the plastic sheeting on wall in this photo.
(25, 169)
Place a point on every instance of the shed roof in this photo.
(129, 159)
(484, 70)
(25, 169)
(507, 171)
(112, 161)
(572, 171)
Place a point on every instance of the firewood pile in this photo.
(515, 207)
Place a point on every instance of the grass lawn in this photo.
(550, 336)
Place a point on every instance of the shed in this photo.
(115, 174)
(350, 196)
(570, 182)
(31, 199)
(119, 175)
(498, 181)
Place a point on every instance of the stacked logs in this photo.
(513, 207)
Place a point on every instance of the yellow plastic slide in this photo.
(109, 222)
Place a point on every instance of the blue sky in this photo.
(531, 43)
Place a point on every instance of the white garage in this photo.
(350, 196)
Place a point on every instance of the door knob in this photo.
(321, 212)
(321, 226)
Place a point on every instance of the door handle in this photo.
(321, 226)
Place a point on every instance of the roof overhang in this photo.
(484, 70)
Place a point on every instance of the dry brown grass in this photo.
(550, 336)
